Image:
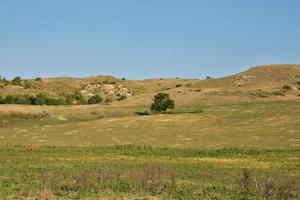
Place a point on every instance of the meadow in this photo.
(143, 172)
(201, 151)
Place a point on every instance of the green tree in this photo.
(38, 79)
(40, 99)
(9, 100)
(162, 102)
(95, 99)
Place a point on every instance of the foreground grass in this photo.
(143, 172)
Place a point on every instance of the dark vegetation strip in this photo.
(143, 150)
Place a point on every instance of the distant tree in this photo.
(38, 79)
(95, 99)
(1, 99)
(17, 81)
(162, 102)
(123, 79)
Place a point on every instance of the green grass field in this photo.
(141, 172)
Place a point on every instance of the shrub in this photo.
(178, 85)
(123, 79)
(27, 85)
(162, 102)
(38, 79)
(287, 87)
(17, 81)
(4, 81)
(40, 99)
(52, 101)
(95, 99)
(9, 99)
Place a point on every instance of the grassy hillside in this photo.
(269, 79)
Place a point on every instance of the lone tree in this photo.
(162, 102)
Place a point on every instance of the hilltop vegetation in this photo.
(271, 81)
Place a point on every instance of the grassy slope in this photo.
(218, 126)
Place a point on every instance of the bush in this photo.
(17, 81)
(162, 102)
(27, 85)
(52, 101)
(287, 87)
(38, 79)
(40, 99)
(8, 100)
(95, 99)
(178, 85)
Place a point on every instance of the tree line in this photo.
(43, 99)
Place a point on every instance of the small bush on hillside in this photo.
(27, 85)
(38, 79)
(95, 99)
(287, 87)
(3, 81)
(17, 81)
(178, 85)
(123, 79)
(162, 102)
(9, 99)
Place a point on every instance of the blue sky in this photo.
(145, 38)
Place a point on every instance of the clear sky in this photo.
(145, 38)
